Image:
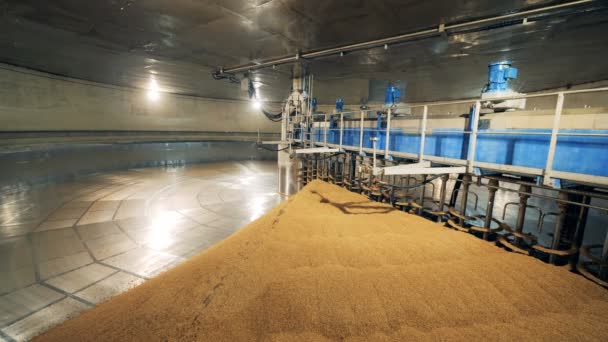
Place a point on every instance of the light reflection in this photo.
(246, 180)
(258, 205)
(153, 90)
(257, 104)
(160, 231)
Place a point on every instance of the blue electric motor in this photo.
(393, 94)
(339, 104)
(499, 76)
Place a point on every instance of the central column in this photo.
(295, 107)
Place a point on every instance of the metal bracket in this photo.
(317, 150)
(419, 170)
(395, 170)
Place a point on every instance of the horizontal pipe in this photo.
(395, 39)
(430, 131)
(504, 98)
(473, 100)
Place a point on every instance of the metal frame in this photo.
(553, 143)
(360, 133)
(473, 143)
(418, 170)
(547, 173)
(387, 149)
(396, 170)
(425, 112)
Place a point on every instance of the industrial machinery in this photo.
(432, 159)
(426, 161)
(497, 88)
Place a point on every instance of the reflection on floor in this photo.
(67, 247)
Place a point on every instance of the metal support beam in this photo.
(341, 129)
(374, 140)
(399, 169)
(490, 206)
(425, 111)
(316, 150)
(473, 141)
(581, 223)
(466, 182)
(325, 129)
(422, 195)
(524, 191)
(389, 113)
(553, 143)
(361, 132)
(559, 223)
(443, 192)
(422, 170)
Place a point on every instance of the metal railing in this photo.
(548, 173)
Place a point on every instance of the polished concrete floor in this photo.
(66, 247)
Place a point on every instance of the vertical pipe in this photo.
(425, 112)
(344, 168)
(422, 193)
(553, 143)
(361, 133)
(559, 223)
(442, 194)
(581, 222)
(360, 173)
(473, 142)
(341, 128)
(443, 191)
(326, 129)
(493, 184)
(319, 169)
(389, 113)
(374, 155)
(521, 213)
(287, 175)
(353, 171)
(311, 122)
(466, 182)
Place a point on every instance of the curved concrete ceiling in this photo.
(180, 42)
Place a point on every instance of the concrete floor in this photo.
(66, 247)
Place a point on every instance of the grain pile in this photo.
(331, 265)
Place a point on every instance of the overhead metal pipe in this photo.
(397, 39)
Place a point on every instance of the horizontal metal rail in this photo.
(472, 100)
(430, 131)
(558, 200)
(547, 173)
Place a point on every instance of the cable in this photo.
(273, 117)
(217, 75)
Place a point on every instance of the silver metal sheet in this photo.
(122, 42)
